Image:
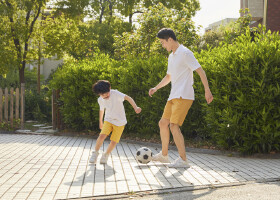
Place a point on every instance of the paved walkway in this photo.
(57, 167)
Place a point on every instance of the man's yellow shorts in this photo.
(176, 110)
(116, 131)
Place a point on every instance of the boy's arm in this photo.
(162, 83)
(208, 94)
(133, 104)
(101, 114)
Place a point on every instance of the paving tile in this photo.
(57, 167)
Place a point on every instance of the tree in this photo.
(18, 20)
(225, 34)
(143, 41)
(100, 9)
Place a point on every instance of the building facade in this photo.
(258, 10)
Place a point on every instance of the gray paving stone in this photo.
(57, 167)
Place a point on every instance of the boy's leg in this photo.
(111, 146)
(100, 141)
(115, 138)
(107, 128)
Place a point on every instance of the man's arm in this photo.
(101, 114)
(208, 94)
(162, 83)
(133, 104)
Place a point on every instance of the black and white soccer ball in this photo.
(144, 155)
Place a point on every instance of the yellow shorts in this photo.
(176, 110)
(116, 131)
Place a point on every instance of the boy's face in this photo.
(166, 43)
(105, 95)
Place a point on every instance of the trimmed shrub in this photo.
(245, 80)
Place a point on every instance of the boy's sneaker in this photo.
(179, 162)
(161, 158)
(104, 158)
(93, 157)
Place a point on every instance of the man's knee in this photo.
(174, 128)
(163, 123)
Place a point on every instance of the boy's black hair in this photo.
(101, 87)
(166, 33)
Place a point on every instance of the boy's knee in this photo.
(163, 123)
(113, 142)
(103, 136)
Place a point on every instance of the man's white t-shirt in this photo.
(114, 108)
(181, 65)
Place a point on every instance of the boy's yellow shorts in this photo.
(176, 110)
(116, 131)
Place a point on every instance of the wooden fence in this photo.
(12, 105)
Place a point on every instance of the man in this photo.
(181, 64)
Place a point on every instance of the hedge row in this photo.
(244, 78)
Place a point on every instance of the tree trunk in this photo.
(110, 12)
(39, 69)
(101, 14)
(130, 19)
(21, 73)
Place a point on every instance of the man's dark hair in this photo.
(101, 87)
(166, 33)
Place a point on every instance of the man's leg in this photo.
(179, 140)
(164, 135)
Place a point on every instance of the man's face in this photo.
(105, 95)
(166, 44)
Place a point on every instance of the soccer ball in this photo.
(144, 155)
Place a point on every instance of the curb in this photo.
(173, 190)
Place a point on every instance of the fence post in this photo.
(1, 105)
(12, 107)
(54, 109)
(22, 105)
(17, 103)
(6, 105)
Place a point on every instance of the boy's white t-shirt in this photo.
(181, 65)
(114, 108)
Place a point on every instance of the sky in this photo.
(215, 10)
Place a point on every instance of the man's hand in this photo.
(208, 96)
(152, 91)
(138, 110)
(100, 125)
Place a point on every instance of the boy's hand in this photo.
(152, 91)
(100, 125)
(138, 110)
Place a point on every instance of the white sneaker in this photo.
(104, 158)
(93, 157)
(179, 162)
(161, 158)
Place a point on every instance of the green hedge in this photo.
(133, 77)
(245, 77)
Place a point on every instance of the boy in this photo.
(115, 119)
(181, 64)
